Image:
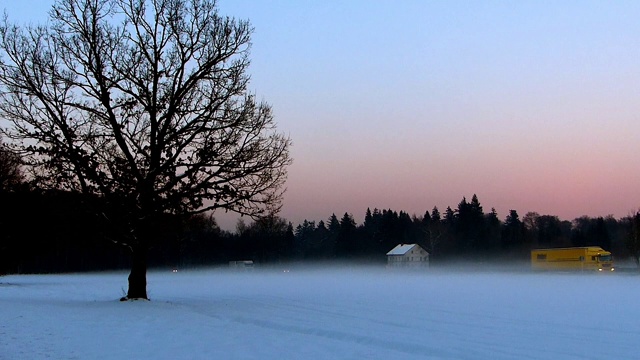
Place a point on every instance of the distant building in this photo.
(241, 265)
(408, 255)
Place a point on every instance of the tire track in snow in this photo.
(369, 341)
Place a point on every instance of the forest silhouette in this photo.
(58, 231)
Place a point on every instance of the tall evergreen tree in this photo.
(513, 231)
(449, 216)
(448, 242)
(426, 219)
(405, 228)
(475, 205)
(470, 230)
(346, 236)
(435, 215)
(304, 235)
(477, 230)
(494, 230)
(633, 238)
(334, 225)
(334, 231)
(321, 225)
(368, 218)
(324, 247)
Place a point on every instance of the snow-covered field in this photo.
(346, 313)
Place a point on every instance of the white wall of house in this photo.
(415, 256)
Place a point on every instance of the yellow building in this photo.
(577, 258)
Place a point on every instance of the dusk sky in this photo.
(531, 105)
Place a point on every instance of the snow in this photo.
(346, 313)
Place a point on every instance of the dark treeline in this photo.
(466, 232)
(57, 231)
(65, 232)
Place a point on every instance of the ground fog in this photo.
(345, 313)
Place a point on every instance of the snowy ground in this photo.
(348, 313)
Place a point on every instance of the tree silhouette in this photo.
(469, 225)
(493, 232)
(145, 105)
(10, 173)
(513, 231)
(433, 231)
(346, 241)
(633, 238)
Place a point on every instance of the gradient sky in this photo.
(531, 105)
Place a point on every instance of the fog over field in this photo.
(342, 313)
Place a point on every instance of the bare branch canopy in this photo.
(143, 103)
(143, 99)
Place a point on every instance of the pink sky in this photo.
(531, 105)
(408, 105)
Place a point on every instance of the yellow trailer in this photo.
(576, 258)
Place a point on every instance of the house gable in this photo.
(407, 255)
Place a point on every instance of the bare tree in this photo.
(143, 103)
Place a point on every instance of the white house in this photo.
(408, 255)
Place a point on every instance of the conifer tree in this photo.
(633, 238)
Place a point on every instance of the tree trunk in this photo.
(138, 275)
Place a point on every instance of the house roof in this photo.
(402, 249)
